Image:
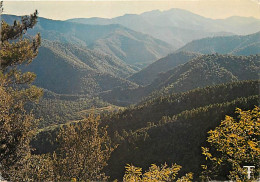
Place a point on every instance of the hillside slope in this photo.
(55, 109)
(148, 74)
(199, 72)
(152, 110)
(171, 128)
(236, 45)
(177, 140)
(132, 47)
(70, 69)
(174, 127)
(115, 40)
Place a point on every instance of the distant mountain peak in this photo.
(156, 11)
(172, 11)
(241, 17)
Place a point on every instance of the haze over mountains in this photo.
(199, 72)
(236, 45)
(102, 54)
(175, 26)
(88, 56)
(70, 69)
(118, 41)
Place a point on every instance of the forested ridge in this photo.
(181, 120)
(72, 69)
(60, 109)
(176, 139)
(236, 45)
(108, 39)
(168, 105)
(148, 74)
(199, 72)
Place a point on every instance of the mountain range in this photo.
(236, 45)
(198, 72)
(149, 73)
(175, 27)
(115, 40)
(70, 69)
(77, 58)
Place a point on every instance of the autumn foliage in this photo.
(234, 144)
(155, 173)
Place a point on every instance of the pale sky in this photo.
(62, 10)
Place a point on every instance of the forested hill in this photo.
(148, 74)
(170, 128)
(173, 128)
(236, 45)
(199, 72)
(56, 109)
(208, 70)
(115, 40)
(70, 69)
(171, 104)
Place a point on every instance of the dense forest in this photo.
(105, 99)
(149, 73)
(237, 45)
(54, 109)
(199, 72)
(161, 123)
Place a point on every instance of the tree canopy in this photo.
(234, 144)
(155, 173)
(17, 126)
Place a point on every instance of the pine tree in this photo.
(17, 126)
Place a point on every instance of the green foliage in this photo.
(73, 69)
(177, 139)
(61, 109)
(236, 45)
(234, 143)
(34, 168)
(154, 109)
(202, 71)
(17, 126)
(16, 129)
(23, 51)
(155, 173)
(148, 74)
(122, 43)
(174, 126)
(83, 150)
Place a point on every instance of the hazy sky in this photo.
(62, 10)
